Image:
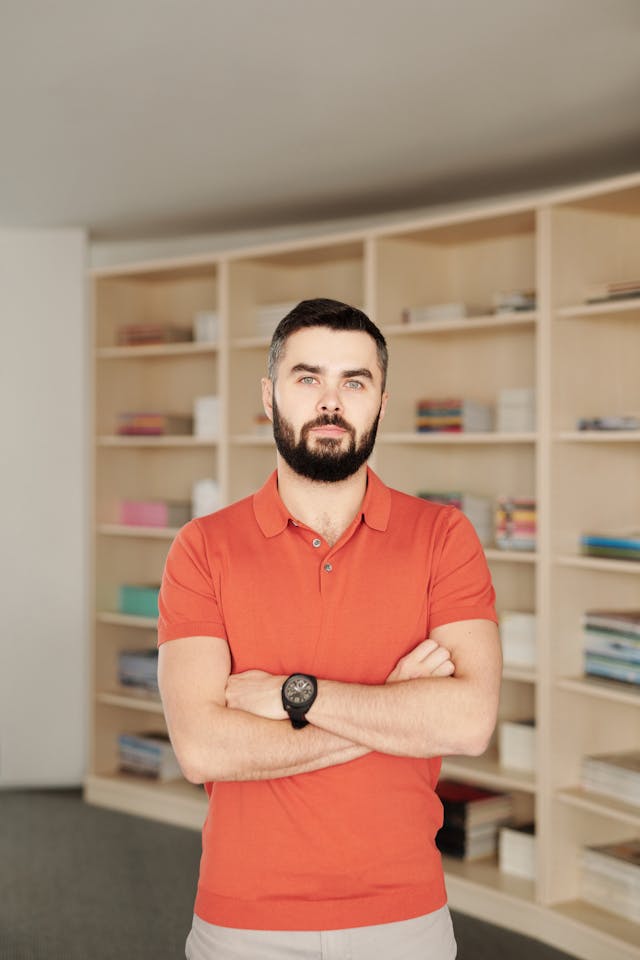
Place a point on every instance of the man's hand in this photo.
(428, 659)
(256, 692)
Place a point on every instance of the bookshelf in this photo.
(582, 361)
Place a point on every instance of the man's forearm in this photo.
(418, 718)
(229, 744)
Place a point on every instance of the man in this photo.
(322, 644)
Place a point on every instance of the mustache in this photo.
(329, 421)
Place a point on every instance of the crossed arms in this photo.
(442, 698)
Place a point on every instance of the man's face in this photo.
(326, 402)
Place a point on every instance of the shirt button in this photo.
(328, 567)
(316, 542)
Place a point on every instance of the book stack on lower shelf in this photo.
(138, 670)
(516, 523)
(611, 877)
(452, 415)
(472, 820)
(153, 424)
(611, 641)
(614, 775)
(611, 544)
(148, 755)
(147, 334)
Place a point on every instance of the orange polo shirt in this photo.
(353, 844)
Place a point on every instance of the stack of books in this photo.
(518, 638)
(517, 851)
(479, 510)
(154, 513)
(138, 670)
(614, 775)
(153, 424)
(512, 301)
(472, 819)
(516, 410)
(452, 415)
(269, 315)
(144, 334)
(615, 290)
(148, 755)
(614, 545)
(441, 311)
(611, 877)
(516, 523)
(615, 422)
(611, 640)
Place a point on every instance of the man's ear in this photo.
(383, 404)
(267, 396)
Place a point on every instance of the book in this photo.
(452, 413)
(614, 775)
(153, 424)
(517, 744)
(515, 523)
(154, 513)
(145, 334)
(138, 670)
(148, 755)
(138, 600)
(467, 805)
(609, 423)
(626, 622)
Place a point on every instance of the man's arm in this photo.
(213, 742)
(421, 717)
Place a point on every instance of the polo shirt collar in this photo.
(273, 517)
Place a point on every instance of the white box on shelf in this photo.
(517, 851)
(518, 637)
(516, 410)
(206, 417)
(205, 497)
(205, 326)
(517, 744)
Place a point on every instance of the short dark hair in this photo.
(325, 313)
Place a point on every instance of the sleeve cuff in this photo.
(195, 628)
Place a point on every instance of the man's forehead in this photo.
(322, 346)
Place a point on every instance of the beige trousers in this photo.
(424, 938)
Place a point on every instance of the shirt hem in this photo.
(339, 914)
(456, 614)
(198, 628)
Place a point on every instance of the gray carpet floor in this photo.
(82, 883)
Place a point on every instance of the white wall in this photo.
(43, 519)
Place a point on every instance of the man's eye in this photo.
(354, 384)
(307, 379)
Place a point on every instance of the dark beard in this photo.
(328, 463)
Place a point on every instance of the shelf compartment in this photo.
(145, 702)
(601, 805)
(126, 620)
(487, 874)
(487, 772)
(490, 322)
(128, 530)
(601, 688)
(149, 351)
(176, 802)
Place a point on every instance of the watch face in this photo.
(298, 690)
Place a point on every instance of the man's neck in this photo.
(327, 508)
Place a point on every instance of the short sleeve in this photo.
(187, 604)
(461, 587)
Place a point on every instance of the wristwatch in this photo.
(298, 693)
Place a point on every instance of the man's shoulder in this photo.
(409, 505)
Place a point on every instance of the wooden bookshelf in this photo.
(580, 358)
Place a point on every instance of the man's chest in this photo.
(346, 613)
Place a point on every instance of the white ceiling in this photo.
(142, 118)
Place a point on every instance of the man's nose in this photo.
(329, 401)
